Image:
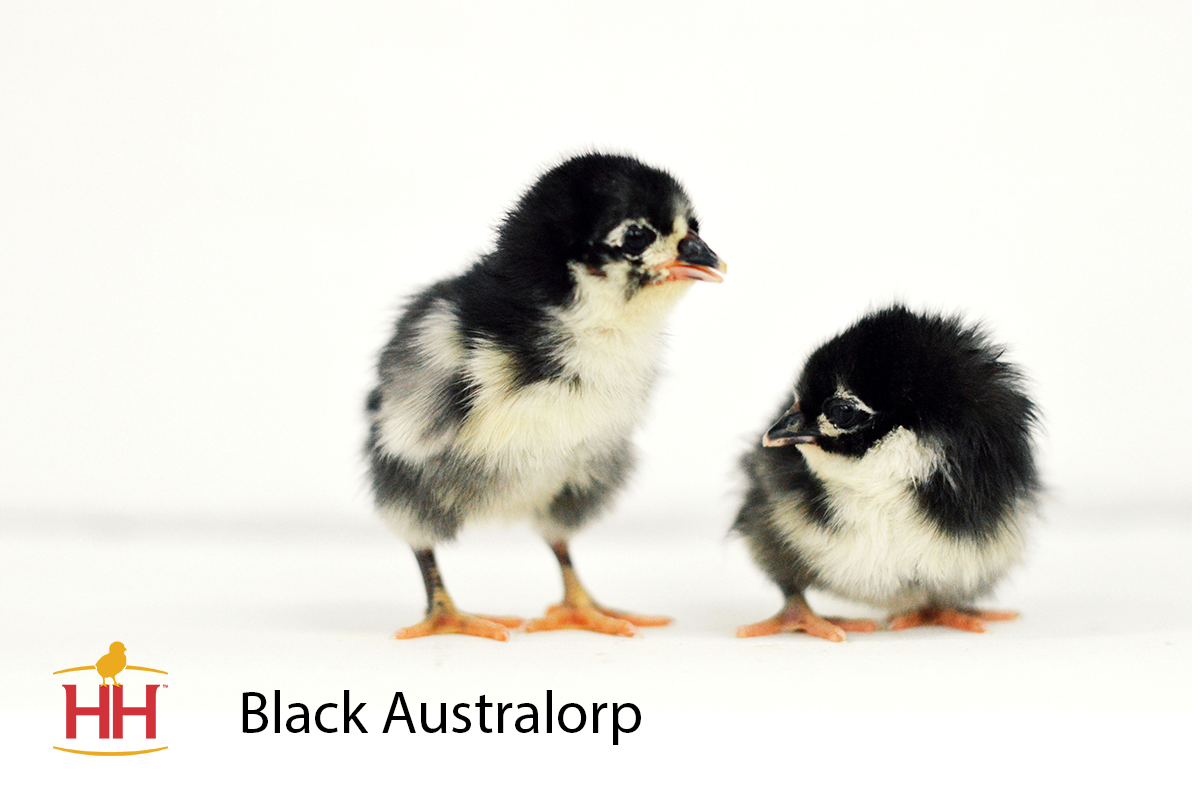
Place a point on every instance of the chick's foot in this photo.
(591, 617)
(452, 620)
(962, 619)
(579, 612)
(797, 617)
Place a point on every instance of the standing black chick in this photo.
(909, 483)
(511, 391)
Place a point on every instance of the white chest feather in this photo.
(600, 398)
(538, 435)
(882, 549)
(607, 372)
(609, 348)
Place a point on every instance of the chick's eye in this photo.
(637, 239)
(844, 414)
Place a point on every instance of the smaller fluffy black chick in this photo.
(902, 476)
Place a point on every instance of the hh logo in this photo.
(111, 709)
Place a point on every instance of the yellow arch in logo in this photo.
(76, 669)
(103, 753)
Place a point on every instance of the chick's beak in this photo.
(790, 429)
(695, 261)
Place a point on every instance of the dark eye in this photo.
(637, 239)
(844, 413)
(694, 225)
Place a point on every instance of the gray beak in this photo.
(791, 428)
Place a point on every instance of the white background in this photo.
(209, 214)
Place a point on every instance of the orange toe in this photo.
(904, 621)
(583, 618)
(790, 620)
(508, 622)
(855, 625)
(959, 619)
(445, 622)
(640, 620)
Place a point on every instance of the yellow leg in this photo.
(442, 616)
(578, 611)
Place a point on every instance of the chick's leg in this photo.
(441, 615)
(578, 611)
(796, 616)
(961, 618)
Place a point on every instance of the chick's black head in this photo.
(933, 375)
(607, 217)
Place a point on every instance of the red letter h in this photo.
(119, 711)
(100, 711)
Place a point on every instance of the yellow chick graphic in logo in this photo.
(111, 663)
